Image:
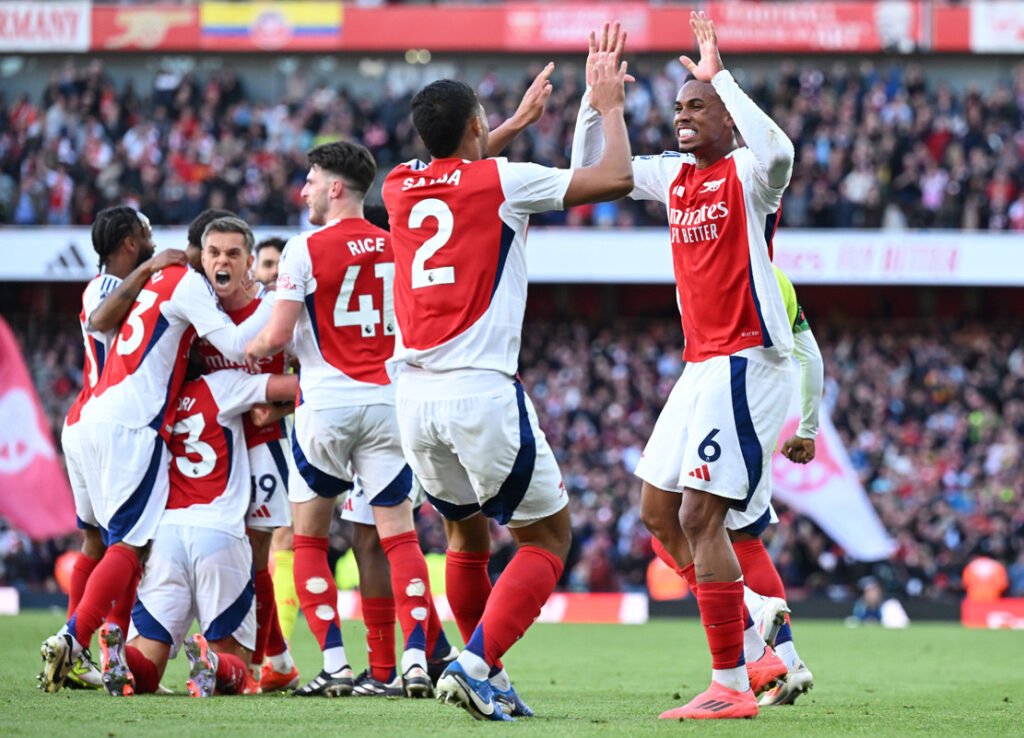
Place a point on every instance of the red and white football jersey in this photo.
(146, 363)
(721, 223)
(459, 234)
(96, 343)
(343, 274)
(210, 481)
(214, 361)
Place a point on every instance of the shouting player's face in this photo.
(225, 263)
(701, 121)
(317, 193)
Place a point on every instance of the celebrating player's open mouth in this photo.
(225, 263)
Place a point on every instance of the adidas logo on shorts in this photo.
(701, 472)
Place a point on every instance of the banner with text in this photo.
(633, 256)
(50, 26)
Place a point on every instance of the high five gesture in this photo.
(707, 43)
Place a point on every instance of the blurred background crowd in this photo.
(932, 415)
(876, 147)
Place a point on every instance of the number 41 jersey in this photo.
(343, 274)
(459, 234)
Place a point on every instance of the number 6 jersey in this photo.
(343, 273)
(459, 232)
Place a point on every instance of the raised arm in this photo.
(770, 146)
(588, 138)
(530, 109)
(108, 314)
(612, 176)
(231, 340)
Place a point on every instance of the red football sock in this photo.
(318, 594)
(516, 601)
(410, 584)
(759, 573)
(121, 614)
(107, 582)
(146, 679)
(689, 573)
(232, 673)
(79, 576)
(276, 644)
(468, 585)
(379, 617)
(264, 586)
(721, 613)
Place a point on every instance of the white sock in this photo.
(334, 659)
(500, 681)
(413, 657)
(475, 666)
(753, 644)
(282, 662)
(753, 601)
(787, 653)
(732, 678)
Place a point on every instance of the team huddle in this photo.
(223, 416)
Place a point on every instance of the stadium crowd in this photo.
(931, 414)
(875, 147)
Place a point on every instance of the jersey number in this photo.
(421, 276)
(194, 425)
(366, 316)
(126, 344)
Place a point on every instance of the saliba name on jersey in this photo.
(448, 178)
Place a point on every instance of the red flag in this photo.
(34, 492)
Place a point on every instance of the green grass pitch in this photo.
(581, 680)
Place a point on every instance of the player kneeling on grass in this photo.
(200, 565)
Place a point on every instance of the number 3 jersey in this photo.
(459, 233)
(342, 273)
(209, 475)
(146, 363)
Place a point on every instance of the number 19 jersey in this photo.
(343, 274)
(96, 342)
(459, 233)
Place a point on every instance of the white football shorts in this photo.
(717, 433)
(196, 573)
(268, 505)
(358, 508)
(331, 446)
(76, 475)
(126, 477)
(479, 449)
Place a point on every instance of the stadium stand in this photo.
(877, 146)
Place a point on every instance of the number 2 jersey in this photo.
(342, 273)
(146, 363)
(209, 477)
(96, 343)
(459, 234)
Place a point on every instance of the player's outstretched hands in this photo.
(166, 258)
(611, 41)
(531, 107)
(707, 42)
(798, 450)
(608, 89)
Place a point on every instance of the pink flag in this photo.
(828, 492)
(34, 493)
